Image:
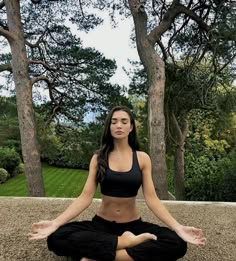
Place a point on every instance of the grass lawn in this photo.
(58, 182)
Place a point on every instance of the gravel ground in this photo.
(218, 220)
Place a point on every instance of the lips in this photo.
(119, 132)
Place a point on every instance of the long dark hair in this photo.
(107, 144)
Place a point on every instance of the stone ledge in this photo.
(217, 219)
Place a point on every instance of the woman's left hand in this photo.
(192, 235)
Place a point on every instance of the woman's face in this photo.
(120, 125)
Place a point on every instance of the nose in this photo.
(118, 124)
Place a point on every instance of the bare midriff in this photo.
(117, 209)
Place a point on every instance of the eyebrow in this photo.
(121, 119)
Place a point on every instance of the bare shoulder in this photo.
(143, 159)
(94, 161)
(142, 155)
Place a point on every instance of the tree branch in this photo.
(45, 65)
(159, 42)
(166, 22)
(2, 4)
(194, 17)
(41, 78)
(5, 67)
(185, 129)
(7, 34)
(181, 134)
(169, 17)
(173, 37)
(53, 114)
(36, 44)
(35, 1)
(176, 124)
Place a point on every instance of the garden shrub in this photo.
(3, 175)
(20, 169)
(229, 188)
(69, 158)
(9, 159)
(207, 179)
(10, 143)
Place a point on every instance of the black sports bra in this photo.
(122, 184)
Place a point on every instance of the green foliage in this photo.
(139, 105)
(77, 78)
(9, 159)
(210, 134)
(3, 175)
(90, 140)
(70, 158)
(8, 107)
(71, 147)
(210, 159)
(9, 127)
(203, 178)
(20, 169)
(229, 188)
(49, 143)
(209, 179)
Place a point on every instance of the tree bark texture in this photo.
(155, 69)
(179, 158)
(23, 86)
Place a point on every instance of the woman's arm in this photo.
(150, 196)
(45, 228)
(189, 234)
(85, 198)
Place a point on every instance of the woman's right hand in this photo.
(42, 229)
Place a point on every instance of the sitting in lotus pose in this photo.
(117, 232)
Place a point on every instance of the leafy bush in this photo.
(3, 175)
(10, 143)
(73, 148)
(208, 179)
(20, 169)
(9, 159)
(69, 158)
(229, 188)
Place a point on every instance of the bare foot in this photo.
(129, 239)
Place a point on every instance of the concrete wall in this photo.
(218, 220)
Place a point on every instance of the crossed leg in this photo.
(121, 255)
(127, 239)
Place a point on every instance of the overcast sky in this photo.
(114, 43)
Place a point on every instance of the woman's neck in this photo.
(121, 146)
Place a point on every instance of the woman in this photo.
(117, 231)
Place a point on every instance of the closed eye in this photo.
(113, 121)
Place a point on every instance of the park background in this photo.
(73, 86)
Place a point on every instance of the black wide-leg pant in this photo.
(97, 239)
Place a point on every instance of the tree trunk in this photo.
(155, 69)
(179, 158)
(179, 172)
(156, 122)
(23, 86)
